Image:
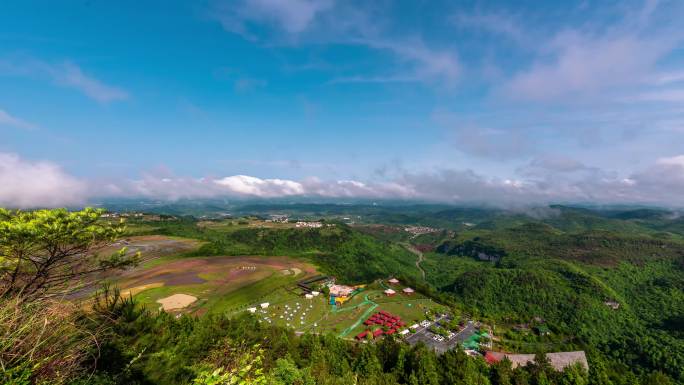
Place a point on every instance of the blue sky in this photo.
(498, 102)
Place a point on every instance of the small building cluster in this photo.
(313, 225)
(278, 218)
(394, 282)
(418, 230)
(122, 215)
(339, 294)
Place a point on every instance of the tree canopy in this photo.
(44, 253)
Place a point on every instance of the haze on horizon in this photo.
(501, 102)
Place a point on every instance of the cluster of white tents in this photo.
(289, 316)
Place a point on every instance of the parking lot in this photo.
(438, 343)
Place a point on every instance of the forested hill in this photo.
(515, 274)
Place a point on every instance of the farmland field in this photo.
(221, 283)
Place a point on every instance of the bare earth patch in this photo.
(176, 301)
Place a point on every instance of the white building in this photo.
(264, 305)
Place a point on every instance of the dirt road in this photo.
(419, 254)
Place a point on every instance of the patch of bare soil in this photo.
(176, 301)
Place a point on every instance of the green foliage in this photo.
(243, 368)
(286, 372)
(46, 252)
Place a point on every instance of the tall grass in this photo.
(41, 342)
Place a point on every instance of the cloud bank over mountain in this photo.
(45, 184)
(38, 184)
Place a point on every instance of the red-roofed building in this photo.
(391, 331)
(377, 333)
(361, 335)
(493, 357)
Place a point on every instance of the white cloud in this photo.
(668, 78)
(301, 22)
(494, 143)
(666, 95)
(545, 180)
(70, 75)
(9, 120)
(65, 74)
(263, 188)
(292, 16)
(672, 161)
(429, 64)
(581, 64)
(25, 184)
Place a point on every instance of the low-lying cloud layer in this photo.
(37, 184)
(44, 184)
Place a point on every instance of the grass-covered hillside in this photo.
(348, 254)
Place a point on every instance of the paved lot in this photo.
(424, 335)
